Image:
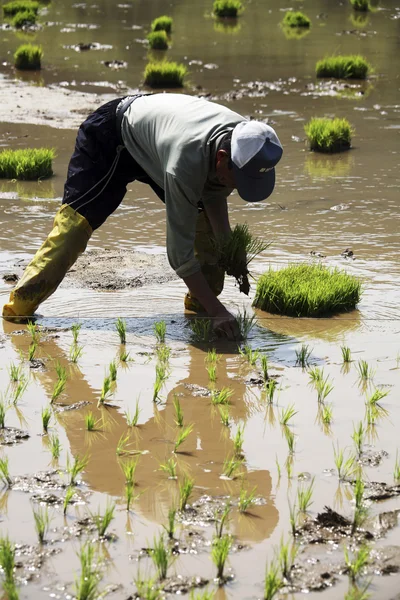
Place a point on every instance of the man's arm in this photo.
(217, 213)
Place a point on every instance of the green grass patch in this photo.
(305, 290)
(227, 8)
(328, 135)
(29, 164)
(22, 19)
(295, 19)
(12, 8)
(28, 57)
(360, 5)
(158, 40)
(353, 66)
(163, 23)
(166, 74)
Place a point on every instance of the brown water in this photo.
(323, 204)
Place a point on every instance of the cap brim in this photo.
(254, 189)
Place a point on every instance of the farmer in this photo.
(192, 153)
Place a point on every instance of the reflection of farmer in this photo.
(192, 153)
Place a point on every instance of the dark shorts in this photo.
(92, 188)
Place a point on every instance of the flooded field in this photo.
(322, 206)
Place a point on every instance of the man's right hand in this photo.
(226, 325)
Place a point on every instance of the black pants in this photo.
(95, 151)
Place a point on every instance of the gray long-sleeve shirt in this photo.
(174, 138)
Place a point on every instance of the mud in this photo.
(10, 436)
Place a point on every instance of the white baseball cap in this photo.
(255, 150)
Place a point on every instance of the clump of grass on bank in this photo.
(22, 19)
(353, 66)
(12, 8)
(296, 19)
(307, 291)
(227, 8)
(163, 23)
(28, 164)
(360, 5)
(328, 135)
(166, 74)
(158, 40)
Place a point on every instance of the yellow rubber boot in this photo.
(67, 240)
(205, 254)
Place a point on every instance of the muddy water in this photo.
(321, 204)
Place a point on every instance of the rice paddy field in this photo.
(268, 468)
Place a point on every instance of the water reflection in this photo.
(322, 167)
(228, 25)
(295, 33)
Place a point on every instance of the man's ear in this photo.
(222, 156)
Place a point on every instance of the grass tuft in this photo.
(46, 417)
(165, 74)
(272, 581)
(220, 552)
(27, 164)
(353, 66)
(87, 586)
(185, 491)
(102, 522)
(158, 40)
(305, 290)
(328, 135)
(163, 23)
(12, 8)
(28, 57)
(361, 5)
(296, 19)
(42, 522)
(227, 8)
(7, 563)
(161, 556)
(25, 18)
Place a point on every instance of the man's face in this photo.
(224, 174)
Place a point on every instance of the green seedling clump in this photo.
(29, 164)
(307, 291)
(166, 74)
(12, 8)
(353, 66)
(162, 23)
(227, 8)
(28, 57)
(361, 5)
(295, 19)
(23, 19)
(329, 135)
(158, 40)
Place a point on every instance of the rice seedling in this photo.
(212, 373)
(250, 355)
(75, 352)
(160, 329)
(28, 164)
(170, 528)
(290, 439)
(185, 491)
(327, 414)
(289, 466)
(270, 389)
(76, 467)
(201, 329)
(75, 329)
(158, 40)
(316, 374)
(286, 556)
(34, 331)
(304, 495)
(222, 396)
(112, 369)
(55, 446)
(169, 467)
(360, 509)
(238, 442)
(132, 420)
(46, 417)
(178, 412)
(343, 67)
(220, 552)
(4, 406)
(227, 8)
(303, 355)
(344, 466)
(5, 472)
(356, 564)
(19, 389)
(376, 397)
(129, 469)
(221, 521)
(16, 372)
(295, 19)
(125, 356)
(7, 563)
(346, 354)
(357, 593)
(58, 389)
(69, 494)
(148, 589)
(181, 436)
(129, 494)
(90, 421)
(206, 595)
(42, 522)
(161, 378)
(123, 445)
(87, 586)
(396, 472)
(360, 5)
(286, 414)
(231, 466)
(246, 323)
(12, 8)
(102, 522)
(106, 390)
(278, 467)
(358, 437)
(163, 23)
(212, 358)
(120, 326)
(324, 388)
(293, 515)
(32, 351)
(163, 354)
(60, 371)
(247, 499)
(161, 556)
(224, 414)
(272, 581)
(307, 290)
(328, 135)
(264, 367)
(365, 372)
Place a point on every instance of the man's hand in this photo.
(226, 325)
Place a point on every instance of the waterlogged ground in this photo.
(321, 207)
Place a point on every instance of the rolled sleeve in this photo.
(182, 211)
